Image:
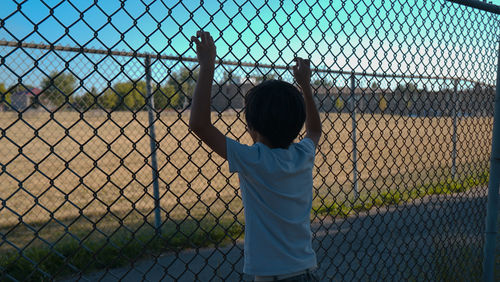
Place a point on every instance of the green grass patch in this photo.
(71, 255)
(394, 197)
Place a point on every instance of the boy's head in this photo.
(275, 109)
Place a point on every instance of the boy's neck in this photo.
(264, 141)
(257, 137)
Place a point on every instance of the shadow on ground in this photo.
(395, 243)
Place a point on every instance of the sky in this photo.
(434, 38)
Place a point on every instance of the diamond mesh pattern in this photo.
(100, 176)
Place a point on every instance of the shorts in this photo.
(307, 275)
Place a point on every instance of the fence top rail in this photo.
(109, 52)
(487, 7)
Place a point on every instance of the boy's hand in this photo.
(205, 49)
(200, 118)
(302, 72)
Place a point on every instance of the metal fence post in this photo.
(490, 233)
(454, 137)
(354, 140)
(152, 139)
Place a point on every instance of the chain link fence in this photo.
(100, 177)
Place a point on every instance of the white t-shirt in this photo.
(276, 187)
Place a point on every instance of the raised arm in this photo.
(302, 74)
(200, 118)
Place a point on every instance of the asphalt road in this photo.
(397, 243)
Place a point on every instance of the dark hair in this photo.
(276, 110)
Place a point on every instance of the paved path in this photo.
(387, 244)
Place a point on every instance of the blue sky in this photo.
(418, 37)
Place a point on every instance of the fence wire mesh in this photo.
(101, 178)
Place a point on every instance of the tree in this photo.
(108, 100)
(382, 103)
(4, 96)
(264, 77)
(131, 95)
(477, 87)
(167, 97)
(322, 82)
(184, 82)
(161, 97)
(411, 87)
(20, 87)
(58, 87)
(408, 87)
(230, 77)
(339, 103)
(86, 101)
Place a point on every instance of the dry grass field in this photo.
(95, 168)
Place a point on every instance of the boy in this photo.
(275, 173)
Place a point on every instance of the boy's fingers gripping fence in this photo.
(97, 161)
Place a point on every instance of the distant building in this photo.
(229, 96)
(335, 99)
(21, 100)
(340, 99)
